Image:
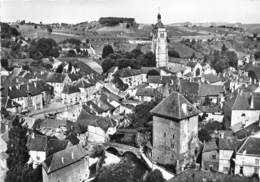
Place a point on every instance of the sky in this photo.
(144, 11)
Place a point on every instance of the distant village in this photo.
(181, 117)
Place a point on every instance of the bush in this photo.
(173, 53)
(43, 48)
(107, 50)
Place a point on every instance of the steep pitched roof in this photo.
(149, 92)
(229, 143)
(211, 78)
(37, 142)
(64, 158)
(70, 89)
(55, 77)
(243, 99)
(251, 146)
(175, 106)
(206, 89)
(248, 130)
(56, 145)
(127, 72)
(210, 146)
(85, 119)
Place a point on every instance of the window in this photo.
(257, 161)
(214, 156)
(173, 136)
(172, 145)
(256, 169)
(161, 35)
(164, 134)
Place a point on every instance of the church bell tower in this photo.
(159, 43)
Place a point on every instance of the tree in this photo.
(43, 48)
(49, 29)
(155, 176)
(224, 48)
(108, 49)
(173, 53)
(17, 151)
(107, 64)
(142, 114)
(204, 135)
(257, 55)
(232, 58)
(149, 60)
(71, 53)
(4, 63)
(59, 69)
(153, 73)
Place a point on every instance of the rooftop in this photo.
(64, 158)
(175, 106)
(251, 146)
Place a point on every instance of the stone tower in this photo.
(175, 131)
(159, 43)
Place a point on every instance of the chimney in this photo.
(252, 102)
(62, 160)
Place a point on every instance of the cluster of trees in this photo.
(173, 53)
(206, 130)
(134, 59)
(142, 114)
(221, 60)
(18, 156)
(43, 47)
(112, 21)
(257, 55)
(72, 41)
(8, 31)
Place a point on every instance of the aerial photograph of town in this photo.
(130, 91)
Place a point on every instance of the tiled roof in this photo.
(85, 119)
(37, 142)
(56, 145)
(83, 83)
(206, 89)
(70, 89)
(190, 88)
(149, 92)
(251, 146)
(49, 123)
(248, 130)
(55, 77)
(229, 143)
(127, 72)
(210, 146)
(211, 78)
(243, 99)
(74, 76)
(72, 138)
(175, 106)
(192, 64)
(33, 88)
(64, 158)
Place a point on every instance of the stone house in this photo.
(31, 96)
(131, 77)
(70, 164)
(245, 109)
(71, 94)
(228, 145)
(247, 160)
(175, 130)
(210, 156)
(98, 128)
